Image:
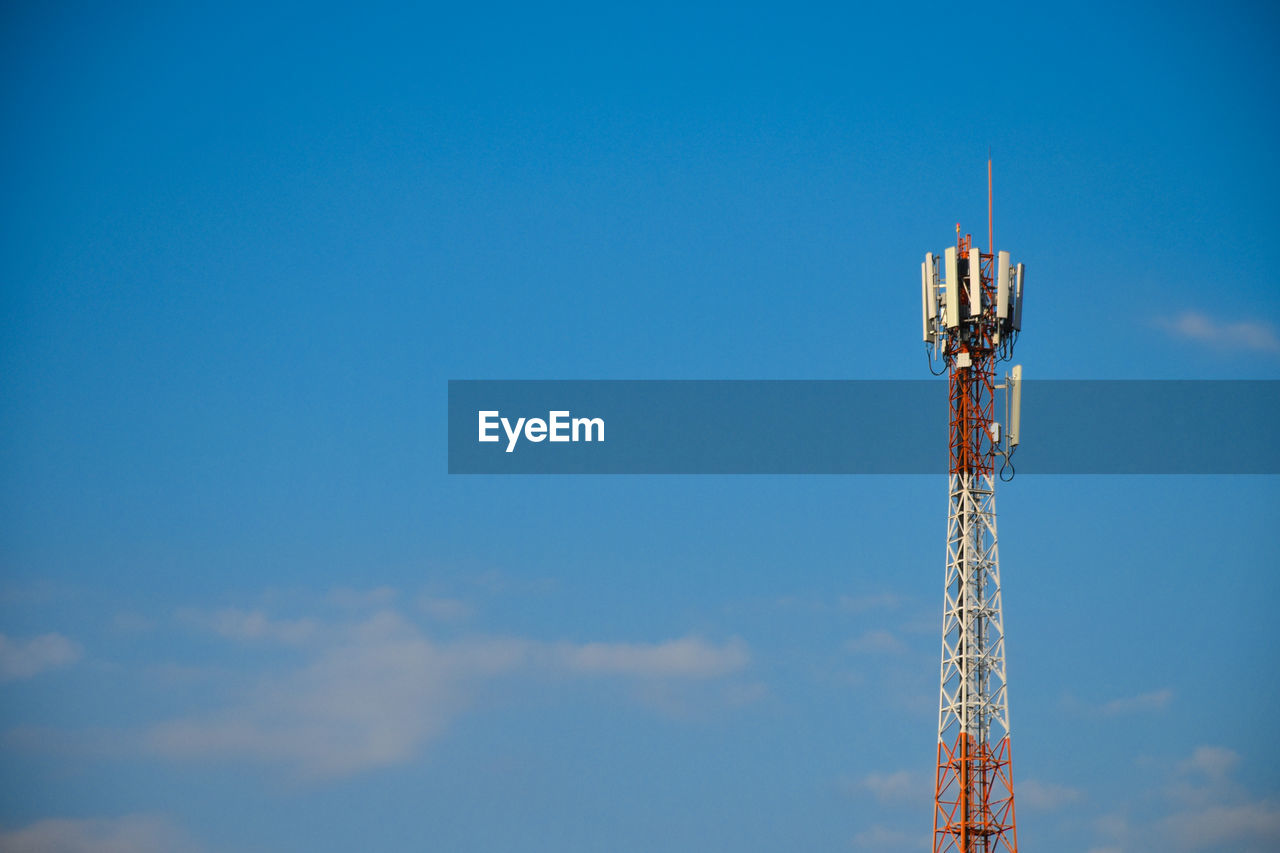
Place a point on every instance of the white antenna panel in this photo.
(953, 288)
(927, 309)
(1002, 285)
(1017, 302)
(975, 283)
(1015, 404)
(932, 261)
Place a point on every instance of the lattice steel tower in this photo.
(972, 314)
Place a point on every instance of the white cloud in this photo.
(875, 642)
(378, 596)
(443, 609)
(1213, 811)
(738, 695)
(1204, 810)
(690, 657)
(374, 692)
(684, 699)
(371, 698)
(1156, 700)
(1213, 762)
(1246, 335)
(1240, 827)
(1045, 796)
(250, 625)
(129, 834)
(900, 787)
(25, 658)
(1115, 825)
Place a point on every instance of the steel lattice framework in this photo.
(973, 800)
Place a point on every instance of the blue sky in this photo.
(243, 607)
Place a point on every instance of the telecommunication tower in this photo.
(972, 315)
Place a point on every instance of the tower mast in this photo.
(972, 310)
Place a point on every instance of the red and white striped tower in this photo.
(972, 317)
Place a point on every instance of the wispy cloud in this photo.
(235, 624)
(443, 609)
(1149, 702)
(373, 692)
(1214, 763)
(128, 834)
(1201, 328)
(371, 697)
(689, 657)
(705, 699)
(378, 596)
(1046, 796)
(1156, 700)
(1205, 809)
(902, 786)
(25, 658)
(131, 622)
(1214, 812)
(875, 642)
(1250, 826)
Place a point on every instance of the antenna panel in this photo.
(1017, 302)
(952, 297)
(927, 303)
(975, 283)
(1015, 405)
(1002, 285)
